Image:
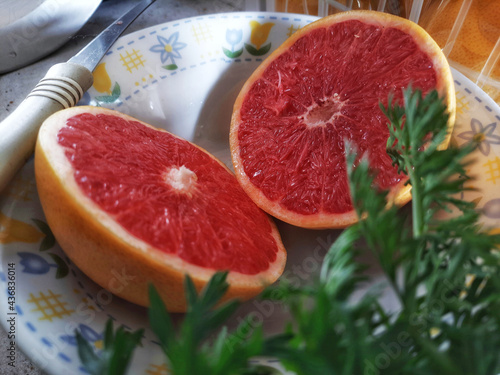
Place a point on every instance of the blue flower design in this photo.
(169, 49)
(233, 37)
(484, 133)
(87, 333)
(34, 264)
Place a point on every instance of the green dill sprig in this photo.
(331, 334)
(200, 345)
(416, 148)
(116, 353)
(436, 261)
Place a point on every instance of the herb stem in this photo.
(417, 206)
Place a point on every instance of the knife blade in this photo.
(62, 87)
(90, 55)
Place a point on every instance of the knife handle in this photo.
(62, 87)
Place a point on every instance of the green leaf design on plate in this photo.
(116, 90)
(257, 52)
(105, 99)
(43, 226)
(170, 67)
(62, 267)
(49, 241)
(231, 54)
(115, 94)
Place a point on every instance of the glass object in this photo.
(326, 7)
(468, 31)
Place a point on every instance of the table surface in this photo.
(16, 85)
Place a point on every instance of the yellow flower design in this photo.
(12, 230)
(259, 33)
(102, 82)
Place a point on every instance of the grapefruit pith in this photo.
(319, 88)
(128, 202)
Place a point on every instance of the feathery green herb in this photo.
(444, 274)
(116, 354)
(190, 348)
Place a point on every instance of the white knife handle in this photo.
(62, 87)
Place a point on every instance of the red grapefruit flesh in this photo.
(121, 195)
(321, 87)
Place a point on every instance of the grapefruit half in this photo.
(133, 205)
(322, 86)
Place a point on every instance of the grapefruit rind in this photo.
(399, 194)
(105, 251)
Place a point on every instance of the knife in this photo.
(62, 87)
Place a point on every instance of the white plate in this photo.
(213, 56)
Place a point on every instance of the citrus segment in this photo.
(119, 194)
(320, 88)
